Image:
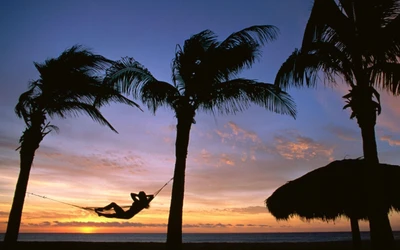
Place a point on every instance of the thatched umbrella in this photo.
(338, 189)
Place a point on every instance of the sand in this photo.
(186, 246)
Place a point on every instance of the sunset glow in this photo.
(234, 162)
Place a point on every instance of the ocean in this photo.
(196, 237)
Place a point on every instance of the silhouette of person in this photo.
(137, 206)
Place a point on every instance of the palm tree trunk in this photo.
(355, 233)
(380, 229)
(14, 221)
(174, 233)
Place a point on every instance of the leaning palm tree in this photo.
(356, 42)
(204, 77)
(68, 85)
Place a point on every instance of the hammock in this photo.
(93, 208)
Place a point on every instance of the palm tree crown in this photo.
(205, 76)
(357, 41)
(69, 85)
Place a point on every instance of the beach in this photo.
(339, 245)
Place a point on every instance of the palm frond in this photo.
(228, 63)
(156, 94)
(302, 68)
(393, 26)
(129, 76)
(257, 34)
(386, 76)
(73, 62)
(325, 17)
(241, 49)
(387, 48)
(81, 58)
(24, 103)
(69, 85)
(347, 7)
(238, 94)
(106, 94)
(200, 41)
(188, 59)
(73, 109)
(377, 13)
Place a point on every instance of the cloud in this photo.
(223, 136)
(94, 224)
(264, 225)
(225, 159)
(132, 224)
(343, 133)
(108, 160)
(2, 213)
(215, 160)
(246, 210)
(247, 143)
(237, 133)
(242, 133)
(293, 146)
(41, 224)
(247, 181)
(206, 225)
(288, 144)
(7, 142)
(389, 119)
(258, 225)
(52, 165)
(251, 210)
(389, 139)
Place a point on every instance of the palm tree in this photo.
(68, 85)
(358, 42)
(204, 77)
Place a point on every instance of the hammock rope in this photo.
(93, 208)
(66, 203)
(158, 191)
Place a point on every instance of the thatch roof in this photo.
(338, 189)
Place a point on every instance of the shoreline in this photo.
(68, 245)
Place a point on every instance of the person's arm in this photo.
(133, 196)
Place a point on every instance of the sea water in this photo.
(195, 237)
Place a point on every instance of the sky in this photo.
(234, 163)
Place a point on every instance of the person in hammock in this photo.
(140, 201)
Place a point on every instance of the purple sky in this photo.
(234, 162)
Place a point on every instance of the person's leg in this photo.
(114, 206)
(108, 215)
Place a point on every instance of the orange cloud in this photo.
(215, 160)
(237, 133)
(246, 210)
(242, 133)
(390, 140)
(226, 160)
(245, 141)
(299, 147)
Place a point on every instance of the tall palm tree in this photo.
(68, 85)
(358, 42)
(204, 77)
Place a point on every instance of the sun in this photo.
(87, 230)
